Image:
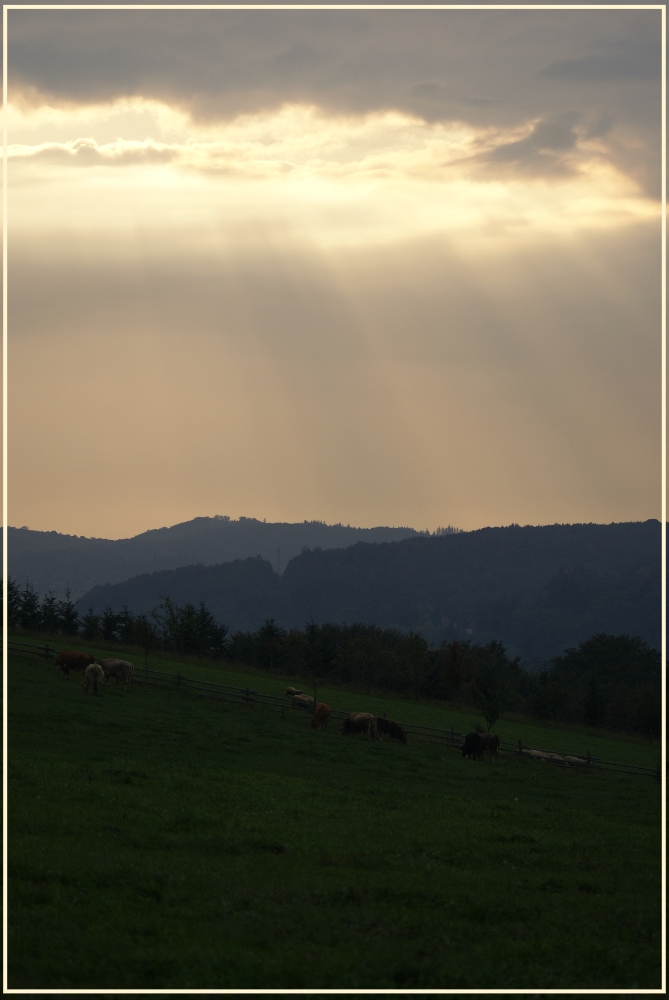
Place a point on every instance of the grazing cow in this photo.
(473, 747)
(122, 670)
(394, 729)
(358, 722)
(72, 659)
(94, 675)
(290, 692)
(303, 701)
(490, 741)
(321, 716)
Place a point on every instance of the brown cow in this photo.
(321, 716)
(122, 670)
(94, 675)
(358, 722)
(394, 729)
(72, 659)
(490, 741)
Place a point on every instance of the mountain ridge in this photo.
(51, 560)
(539, 589)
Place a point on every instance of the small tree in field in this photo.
(145, 636)
(492, 681)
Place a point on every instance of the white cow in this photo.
(303, 701)
(94, 675)
(122, 670)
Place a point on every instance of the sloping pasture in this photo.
(559, 737)
(163, 840)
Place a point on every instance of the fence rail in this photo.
(446, 737)
(30, 649)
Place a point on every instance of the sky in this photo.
(364, 266)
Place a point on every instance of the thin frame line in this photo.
(5, 576)
(50, 7)
(663, 749)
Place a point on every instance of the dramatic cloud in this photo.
(393, 266)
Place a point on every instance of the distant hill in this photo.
(538, 589)
(50, 560)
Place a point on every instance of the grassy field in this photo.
(161, 840)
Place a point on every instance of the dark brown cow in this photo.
(394, 729)
(490, 742)
(358, 722)
(321, 716)
(473, 746)
(72, 659)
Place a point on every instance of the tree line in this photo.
(608, 680)
(190, 628)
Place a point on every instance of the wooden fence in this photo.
(443, 737)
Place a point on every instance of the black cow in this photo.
(473, 746)
(394, 729)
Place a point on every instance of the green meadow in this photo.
(162, 840)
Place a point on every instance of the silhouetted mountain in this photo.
(50, 560)
(537, 589)
(244, 592)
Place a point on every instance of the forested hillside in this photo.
(538, 590)
(51, 561)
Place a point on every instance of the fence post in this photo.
(587, 759)
(520, 746)
(658, 771)
(179, 679)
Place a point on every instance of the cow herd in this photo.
(96, 671)
(476, 744)
(355, 723)
(99, 671)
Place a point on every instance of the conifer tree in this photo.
(90, 626)
(109, 623)
(30, 615)
(49, 612)
(13, 604)
(125, 624)
(68, 616)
